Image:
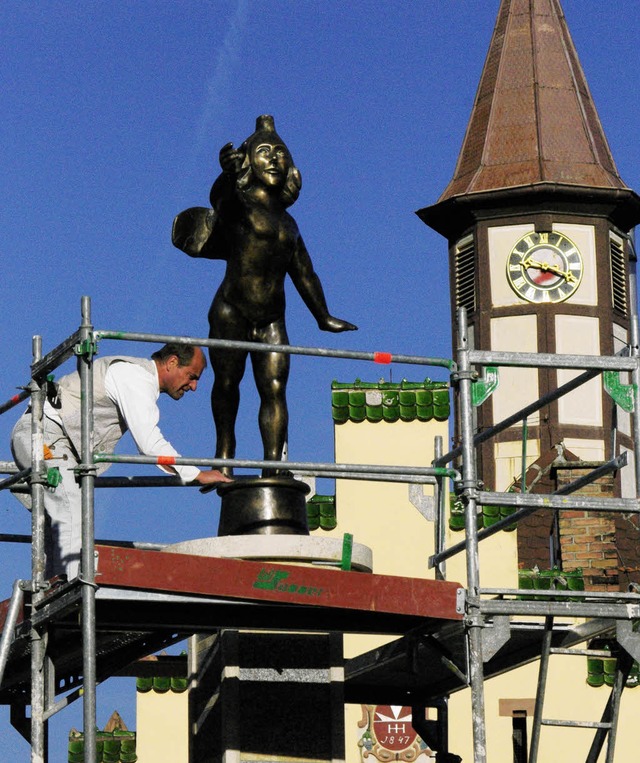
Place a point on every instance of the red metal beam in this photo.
(4, 611)
(267, 581)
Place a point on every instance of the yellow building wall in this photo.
(162, 726)
(373, 511)
(381, 516)
(567, 697)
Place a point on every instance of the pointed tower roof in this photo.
(533, 121)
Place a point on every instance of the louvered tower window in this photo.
(465, 269)
(618, 274)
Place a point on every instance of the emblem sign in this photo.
(389, 735)
(392, 727)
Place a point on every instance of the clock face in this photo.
(544, 267)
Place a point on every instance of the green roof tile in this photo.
(144, 683)
(357, 398)
(374, 413)
(386, 401)
(118, 746)
(321, 512)
(161, 684)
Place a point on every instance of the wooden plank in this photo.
(275, 582)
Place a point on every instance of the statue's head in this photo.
(267, 160)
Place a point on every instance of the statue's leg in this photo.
(228, 369)
(271, 371)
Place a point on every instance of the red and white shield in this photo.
(392, 727)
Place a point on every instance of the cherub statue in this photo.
(249, 227)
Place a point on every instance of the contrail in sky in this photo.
(219, 88)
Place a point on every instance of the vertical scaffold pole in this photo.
(440, 494)
(87, 569)
(38, 635)
(634, 351)
(470, 488)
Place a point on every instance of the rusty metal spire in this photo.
(533, 120)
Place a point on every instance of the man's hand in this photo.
(212, 477)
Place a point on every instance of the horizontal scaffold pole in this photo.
(523, 413)
(560, 594)
(588, 609)
(383, 358)
(549, 360)
(579, 502)
(9, 481)
(144, 545)
(344, 471)
(153, 481)
(529, 503)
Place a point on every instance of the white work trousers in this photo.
(63, 504)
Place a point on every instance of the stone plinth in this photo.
(289, 549)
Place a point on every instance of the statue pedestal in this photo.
(266, 698)
(263, 506)
(260, 697)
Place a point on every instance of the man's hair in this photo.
(184, 353)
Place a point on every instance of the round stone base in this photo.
(298, 549)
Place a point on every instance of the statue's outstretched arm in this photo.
(230, 159)
(306, 281)
(198, 230)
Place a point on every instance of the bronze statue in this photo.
(249, 227)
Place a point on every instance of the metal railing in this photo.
(82, 344)
(463, 375)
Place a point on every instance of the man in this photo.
(125, 394)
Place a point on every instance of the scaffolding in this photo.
(451, 637)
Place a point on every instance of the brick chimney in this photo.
(588, 538)
(606, 546)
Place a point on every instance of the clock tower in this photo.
(538, 222)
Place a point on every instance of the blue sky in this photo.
(112, 117)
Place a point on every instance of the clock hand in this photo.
(566, 274)
(529, 262)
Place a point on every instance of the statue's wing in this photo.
(192, 233)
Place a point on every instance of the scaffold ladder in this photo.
(606, 727)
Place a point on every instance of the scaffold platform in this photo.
(426, 665)
(58, 643)
(147, 600)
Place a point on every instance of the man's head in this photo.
(179, 368)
